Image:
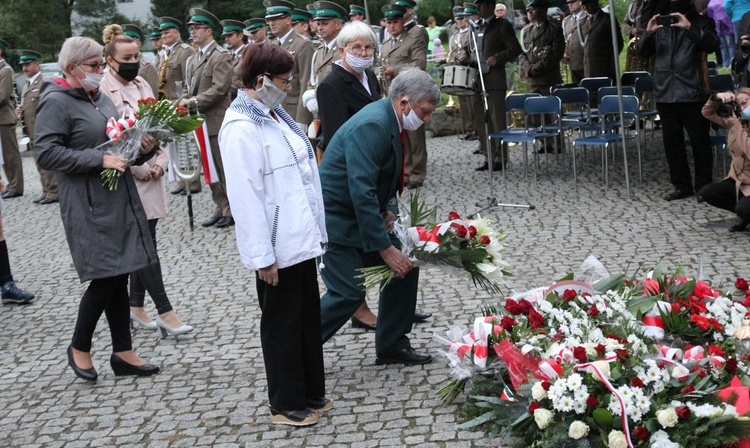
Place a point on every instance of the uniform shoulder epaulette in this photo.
(144, 62)
(220, 49)
(185, 46)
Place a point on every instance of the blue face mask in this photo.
(745, 115)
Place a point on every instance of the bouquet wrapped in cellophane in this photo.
(163, 120)
(471, 246)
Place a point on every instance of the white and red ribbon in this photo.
(210, 175)
(115, 128)
(653, 321)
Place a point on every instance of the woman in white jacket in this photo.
(274, 191)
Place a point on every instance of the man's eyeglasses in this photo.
(368, 51)
(197, 27)
(286, 81)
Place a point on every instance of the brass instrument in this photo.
(565, 71)
(633, 62)
(380, 74)
(162, 94)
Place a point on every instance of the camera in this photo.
(726, 110)
(745, 47)
(666, 20)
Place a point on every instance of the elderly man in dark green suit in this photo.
(360, 178)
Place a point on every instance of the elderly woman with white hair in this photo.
(107, 230)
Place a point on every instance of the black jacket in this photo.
(679, 74)
(340, 96)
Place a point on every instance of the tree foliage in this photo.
(40, 25)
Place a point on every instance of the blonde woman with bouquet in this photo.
(125, 88)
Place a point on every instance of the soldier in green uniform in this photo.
(458, 54)
(356, 12)
(12, 166)
(232, 30)
(301, 23)
(147, 71)
(412, 27)
(209, 76)
(255, 30)
(155, 38)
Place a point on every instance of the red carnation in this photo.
(507, 323)
(536, 320)
(731, 366)
(702, 322)
(546, 385)
(683, 412)
(533, 407)
(601, 350)
(641, 433)
(461, 232)
(716, 324)
(512, 307)
(569, 295)
(715, 350)
(580, 354)
(593, 311)
(688, 390)
(703, 291)
(181, 111)
(592, 401)
(472, 231)
(525, 306)
(636, 382)
(741, 284)
(485, 240)
(453, 215)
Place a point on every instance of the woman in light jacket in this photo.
(124, 87)
(275, 195)
(732, 193)
(107, 231)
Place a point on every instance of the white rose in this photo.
(617, 439)
(667, 417)
(578, 429)
(603, 367)
(538, 392)
(542, 417)
(679, 370)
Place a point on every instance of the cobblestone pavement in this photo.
(212, 391)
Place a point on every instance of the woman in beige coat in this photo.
(125, 88)
(732, 193)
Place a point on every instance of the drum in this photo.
(459, 80)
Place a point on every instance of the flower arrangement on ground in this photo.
(621, 363)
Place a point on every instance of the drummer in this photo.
(458, 54)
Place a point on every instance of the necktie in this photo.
(403, 161)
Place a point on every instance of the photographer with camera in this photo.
(732, 111)
(742, 52)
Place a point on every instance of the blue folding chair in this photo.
(601, 93)
(644, 90)
(593, 85)
(610, 108)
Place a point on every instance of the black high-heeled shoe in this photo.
(122, 367)
(84, 374)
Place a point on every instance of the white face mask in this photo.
(269, 94)
(90, 82)
(358, 64)
(412, 122)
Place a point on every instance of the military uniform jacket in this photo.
(404, 51)
(598, 57)
(573, 47)
(7, 95)
(631, 19)
(417, 31)
(302, 51)
(176, 67)
(29, 102)
(149, 74)
(458, 50)
(236, 72)
(543, 47)
(209, 81)
(498, 38)
(322, 62)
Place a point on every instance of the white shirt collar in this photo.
(171, 47)
(33, 78)
(205, 49)
(283, 39)
(239, 50)
(330, 45)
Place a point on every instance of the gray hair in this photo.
(354, 31)
(76, 50)
(415, 84)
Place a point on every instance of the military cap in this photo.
(277, 8)
(4, 45)
(539, 3)
(393, 11)
(28, 56)
(310, 8)
(230, 26)
(356, 9)
(470, 9)
(300, 15)
(200, 16)
(154, 35)
(131, 30)
(166, 23)
(458, 11)
(252, 25)
(406, 3)
(329, 10)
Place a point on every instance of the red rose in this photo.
(507, 323)
(641, 433)
(181, 111)
(569, 295)
(485, 240)
(700, 321)
(512, 307)
(675, 308)
(731, 366)
(592, 401)
(715, 350)
(557, 337)
(747, 302)
(698, 306)
(536, 320)
(601, 350)
(585, 294)
(593, 311)
(580, 354)
(683, 412)
(741, 284)
(461, 232)
(453, 215)
(650, 287)
(472, 231)
(525, 306)
(688, 390)
(636, 382)
(533, 407)
(703, 291)
(546, 385)
(622, 354)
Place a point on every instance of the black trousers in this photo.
(150, 279)
(674, 118)
(724, 195)
(290, 337)
(110, 296)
